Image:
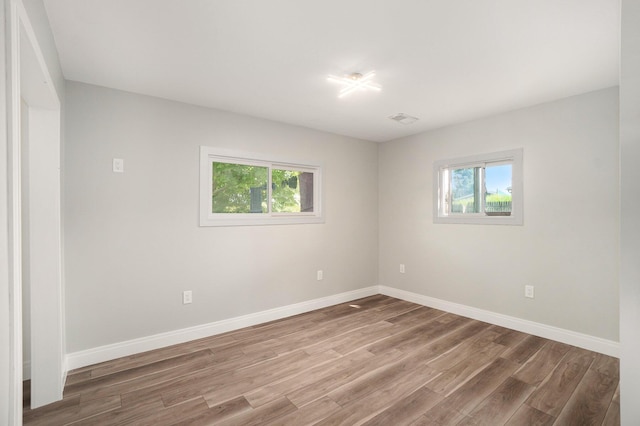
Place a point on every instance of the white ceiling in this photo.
(444, 61)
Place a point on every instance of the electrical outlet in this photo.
(187, 297)
(402, 268)
(319, 275)
(528, 291)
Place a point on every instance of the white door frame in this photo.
(29, 79)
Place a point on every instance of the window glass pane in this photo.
(292, 191)
(239, 188)
(498, 184)
(464, 190)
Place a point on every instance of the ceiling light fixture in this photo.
(355, 81)
(403, 118)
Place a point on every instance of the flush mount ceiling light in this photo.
(355, 81)
(403, 118)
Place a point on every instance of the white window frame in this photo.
(440, 188)
(209, 155)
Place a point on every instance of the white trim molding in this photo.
(108, 352)
(130, 347)
(585, 341)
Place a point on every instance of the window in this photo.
(480, 189)
(241, 189)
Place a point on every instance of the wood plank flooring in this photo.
(374, 361)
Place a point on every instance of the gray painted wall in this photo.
(630, 205)
(568, 246)
(132, 240)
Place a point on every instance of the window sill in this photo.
(260, 221)
(481, 220)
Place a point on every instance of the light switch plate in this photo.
(529, 291)
(118, 165)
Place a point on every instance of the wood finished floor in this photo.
(374, 361)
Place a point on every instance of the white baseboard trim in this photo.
(585, 341)
(108, 352)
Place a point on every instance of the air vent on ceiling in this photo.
(403, 118)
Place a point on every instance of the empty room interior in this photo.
(288, 212)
